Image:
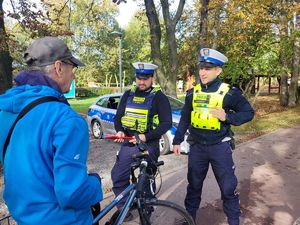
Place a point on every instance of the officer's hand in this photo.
(120, 134)
(176, 149)
(219, 113)
(141, 136)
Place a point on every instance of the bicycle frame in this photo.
(134, 188)
(130, 189)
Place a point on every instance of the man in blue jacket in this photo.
(211, 107)
(45, 172)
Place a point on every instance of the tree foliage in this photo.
(93, 42)
(257, 36)
(136, 44)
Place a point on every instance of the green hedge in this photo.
(95, 91)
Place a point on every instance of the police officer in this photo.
(139, 111)
(211, 107)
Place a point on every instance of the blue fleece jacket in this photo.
(45, 173)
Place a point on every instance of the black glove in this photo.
(96, 209)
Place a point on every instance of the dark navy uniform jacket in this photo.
(160, 107)
(236, 106)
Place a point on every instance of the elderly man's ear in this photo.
(58, 68)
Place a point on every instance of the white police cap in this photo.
(144, 70)
(211, 58)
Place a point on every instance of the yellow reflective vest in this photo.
(137, 113)
(203, 103)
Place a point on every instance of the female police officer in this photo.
(210, 108)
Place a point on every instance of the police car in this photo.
(101, 115)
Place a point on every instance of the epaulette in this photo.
(234, 89)
(189, 92)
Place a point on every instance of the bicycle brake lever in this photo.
(137, 138)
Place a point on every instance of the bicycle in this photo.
(139, 209)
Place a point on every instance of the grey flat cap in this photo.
(45, 51)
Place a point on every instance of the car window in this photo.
(102, 102)
(113, 102)
(175, 104)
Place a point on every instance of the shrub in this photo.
(94, 91)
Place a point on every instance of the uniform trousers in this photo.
(120, 173)
(219, 156)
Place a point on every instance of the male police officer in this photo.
(210, 108)
(140, 111)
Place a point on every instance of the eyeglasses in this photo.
(74, 69)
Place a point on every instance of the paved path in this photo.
(268, 169)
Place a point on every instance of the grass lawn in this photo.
(81, 105)
(267, 123)
(269, 116)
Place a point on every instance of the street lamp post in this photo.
(120, 35)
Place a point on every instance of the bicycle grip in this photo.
(159, 163)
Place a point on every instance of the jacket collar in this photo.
(211, 86)
(34, 78)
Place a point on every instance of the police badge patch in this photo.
(141, 66)
(206, 51)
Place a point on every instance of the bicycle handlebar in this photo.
(140, 155)
(140, 144)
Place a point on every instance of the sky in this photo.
(127, 10)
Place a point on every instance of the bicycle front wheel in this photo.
(158, 212)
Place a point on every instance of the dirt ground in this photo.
(267, 104)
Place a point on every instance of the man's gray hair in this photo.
(47, 70)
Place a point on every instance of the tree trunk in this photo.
(5, 58)
(293, 89)
(203, 24)
(167, 74)
(284, 96)
(283, 32)
(170, 25)
(155, 38)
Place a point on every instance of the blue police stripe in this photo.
(213, 60)
(144, 71)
